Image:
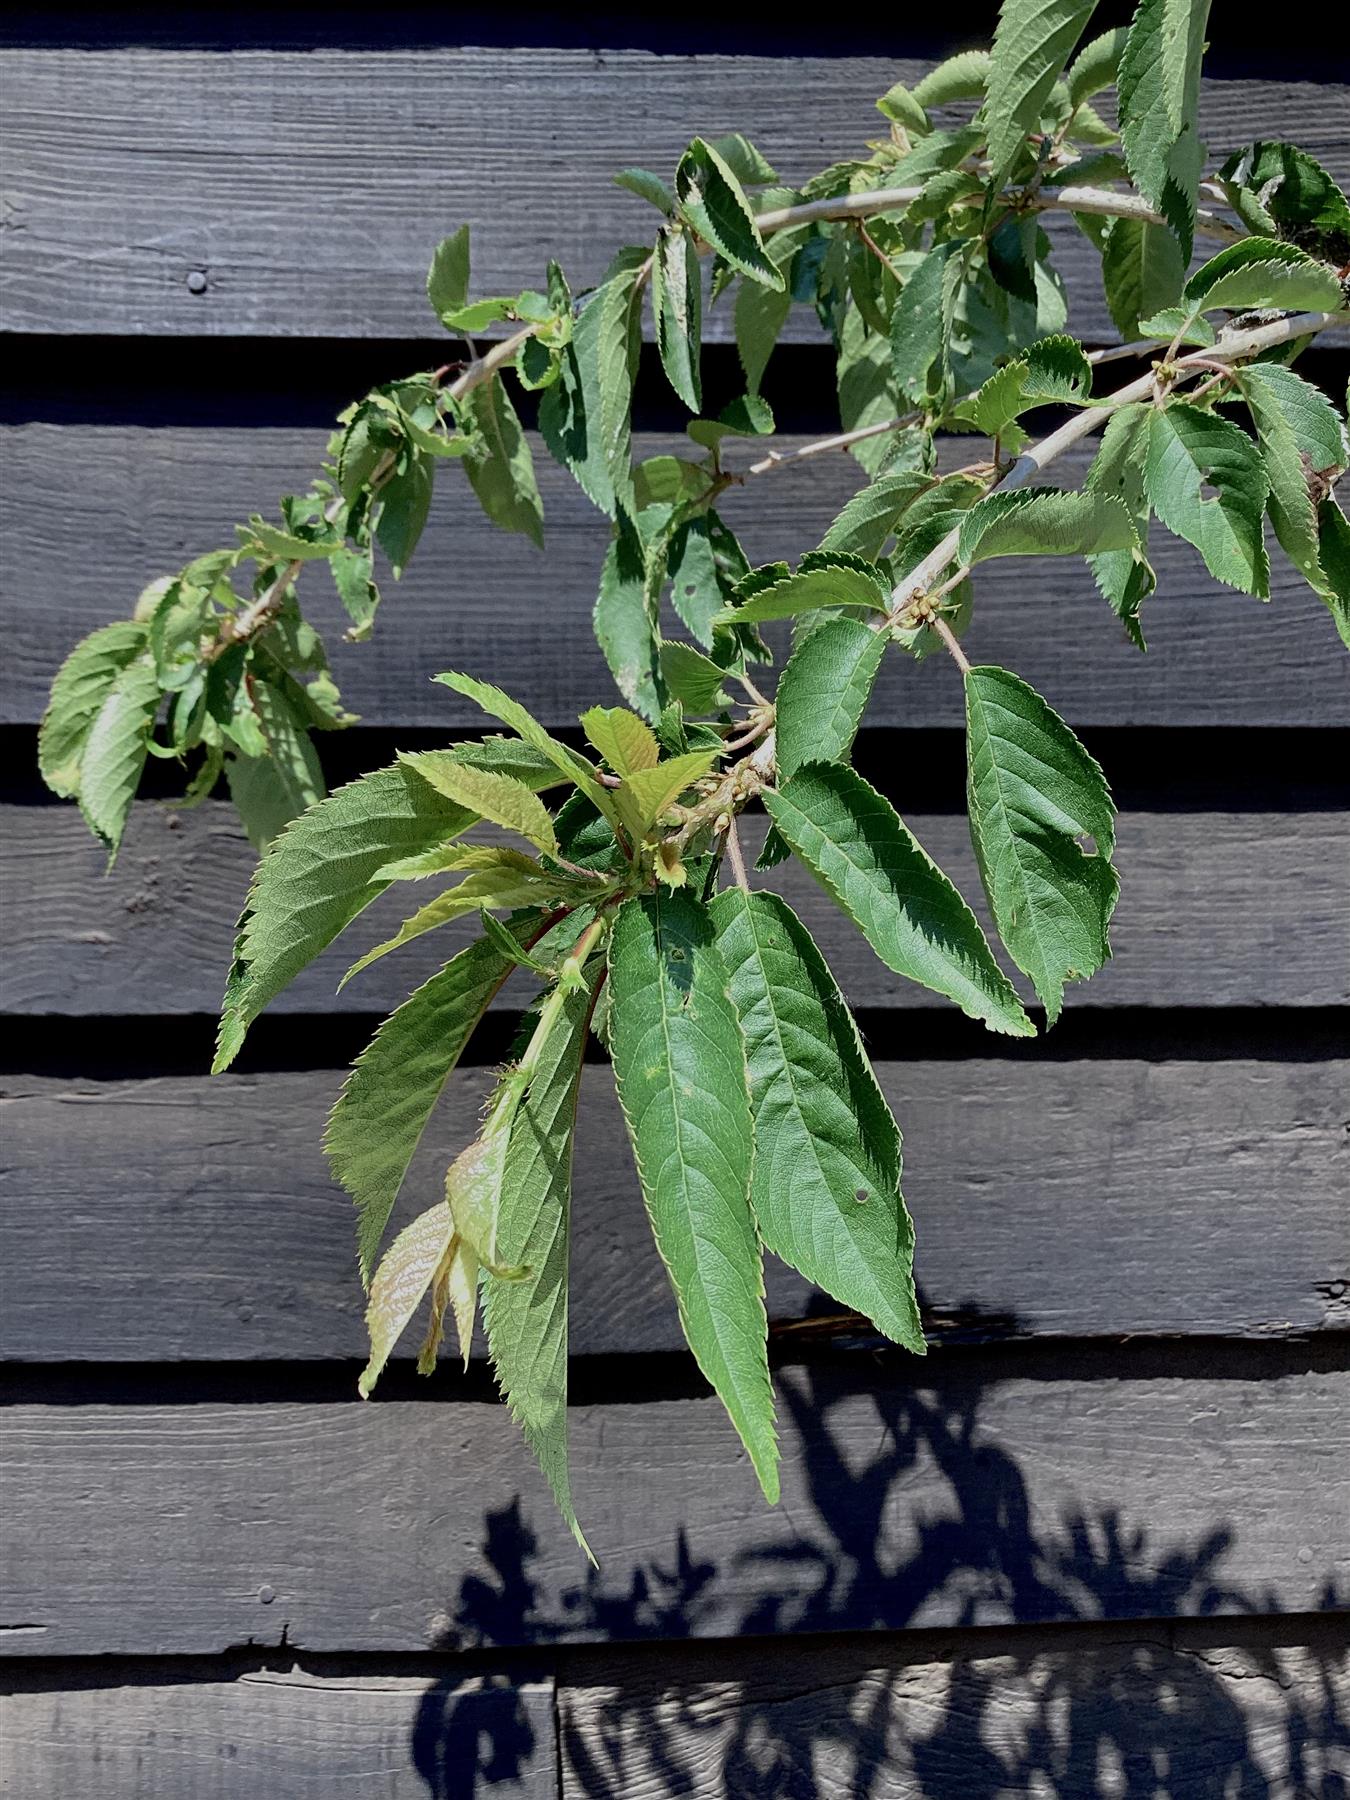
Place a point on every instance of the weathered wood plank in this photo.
(1233, 1701)
(308, 188)
(994, 1713)
(190, 1219)
(280, 1735)
(477, 599)
(1216, 910)
(969, 1491)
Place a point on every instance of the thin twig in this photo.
(735, 856)
(948, 636)
(751, 736)
(841, 440)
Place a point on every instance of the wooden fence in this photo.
(1096, 1543)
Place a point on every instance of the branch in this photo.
(1100, 201)
(735, 856)
(1238, 345)
(842, 440)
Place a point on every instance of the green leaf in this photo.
(679, 1065)
(501, 888)
(1053, 371)
(1263, 272)
(458, 858)
(1300, 436)
(748, 416)
(677, 302)
(709, 197)
(82, 684)
(623, 740)
(584, 418)
(746, 163)
(526, 1320)
(1158, 84)
(405, 501)
(647, 187)
(567, 761)
(832, 579)
(693, 678)
(115, 750)
(1280, 191)
(626, 627)
(1034, 792)
(1334, 556)
(696, 584)
(479, 314)
(1142, 272)
(500, 798)
(1190, 450)
(426, 1254)
(866, 396)
(1034, 40)
(826, 1184)
(1043, 522)
(1094, 68)
(270, 790)
(868, 519)
(448, 276)
(961, 77)
(899, 106)
(648, 793)
(354, 578)
(318, 876)
(499, 466)
(862, 854)
(922, 322)
(761, 312)
(1124, 577)
(824, 691)
(394, 1085)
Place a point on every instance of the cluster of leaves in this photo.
(754, 1116)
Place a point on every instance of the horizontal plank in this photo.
(1219, 1704)
(284, 193)
(275, 1734)
(995, 1713)
(190, 1219)
(475, 598)
(1217, 910)
(970, 1492)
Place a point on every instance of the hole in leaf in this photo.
(1087, 843)
(862, 1196)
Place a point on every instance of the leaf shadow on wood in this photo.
(1146, 1709)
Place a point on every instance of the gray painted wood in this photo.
(190, 1218)
(309, 188)
(1216, 910)
(1062, 1716)
(475, 598)
(275, 1734)
(964, 1491)
(900, 1717)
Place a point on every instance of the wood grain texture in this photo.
(902, 1717)
(477, 599)
(186, 1218)
(280, 1735)
(309, 188)
(1216, 910)
(991, 1714)
(955, 1492)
